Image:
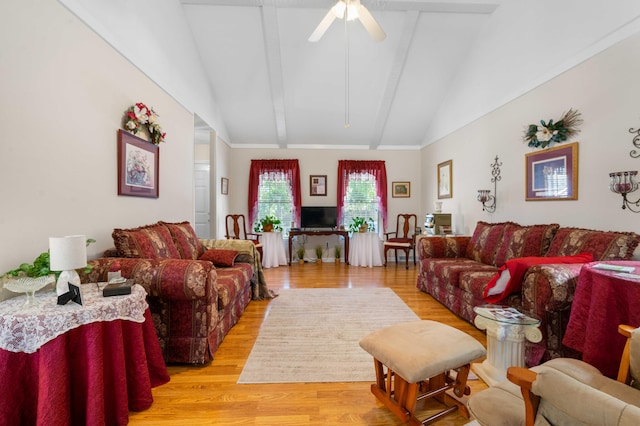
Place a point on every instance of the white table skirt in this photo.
(365, 249)
(273, 252)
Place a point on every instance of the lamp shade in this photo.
(67, 253)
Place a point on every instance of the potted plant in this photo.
(360, 224)
(300, 252)
(319, 253)
(337, 251)
(268, 223)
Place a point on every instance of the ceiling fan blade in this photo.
(323, 26)
(370, 24)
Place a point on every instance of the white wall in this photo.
(605, 90)
(400, 166)
(64, 91)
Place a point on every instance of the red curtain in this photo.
(374, 167)
(290, 168)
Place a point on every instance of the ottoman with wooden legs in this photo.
(419, 360)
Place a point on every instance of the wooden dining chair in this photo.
(403, 238)
(236, 229)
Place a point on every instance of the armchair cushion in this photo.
(147, 242)
(220, 257)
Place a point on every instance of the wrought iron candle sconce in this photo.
(624, 183)
(489, 201)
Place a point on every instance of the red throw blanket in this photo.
(509, 278)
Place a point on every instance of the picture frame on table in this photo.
(552, 174)
(138, 166)
(445, 179)
(317, 185)
(401, 189)
(224, 186)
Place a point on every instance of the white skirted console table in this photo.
(507, 329)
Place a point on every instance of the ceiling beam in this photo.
(274, 65)
(402, 51)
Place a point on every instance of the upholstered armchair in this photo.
(565, 391)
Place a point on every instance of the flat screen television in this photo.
(319, 217)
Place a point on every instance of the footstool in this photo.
(419, 358)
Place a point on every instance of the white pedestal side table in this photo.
(507, 329)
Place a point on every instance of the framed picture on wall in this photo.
(552, 174)
(138, 166)
(401, 189)
(224, 186)
(318, 185)
(445, 179)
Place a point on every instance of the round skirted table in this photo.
(606, 296)
(365, 249)
(84, 364)
(273, 252)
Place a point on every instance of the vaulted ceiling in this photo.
(277, 88)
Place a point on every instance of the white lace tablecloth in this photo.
(26, 329)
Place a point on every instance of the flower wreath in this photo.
(560, 131)
(139, 115)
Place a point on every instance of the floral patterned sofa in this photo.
(456, 270)
(197, 289)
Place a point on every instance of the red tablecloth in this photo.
(90, 375)
(602, 302)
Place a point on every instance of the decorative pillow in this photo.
(601, 244)
(485, 241)
(509, 278)
(147, 242)
(220, 257)
(185, 239)
(525, 241)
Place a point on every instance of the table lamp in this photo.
(67, 254)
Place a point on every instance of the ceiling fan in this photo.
(349, 10)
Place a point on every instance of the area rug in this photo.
(312, 335)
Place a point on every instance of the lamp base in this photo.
(66, 277)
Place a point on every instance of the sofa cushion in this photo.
(602, 245)
(146, 242)
(185, 239)
(525, 241)
(447, 271)
(220, 257)
(485, 241)
(231, 282)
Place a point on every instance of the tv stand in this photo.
(343, 234)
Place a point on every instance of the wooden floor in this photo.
(206, 395)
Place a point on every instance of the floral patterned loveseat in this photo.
(193, 302)
(456, 270)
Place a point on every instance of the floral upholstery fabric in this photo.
(525, 241)
(458, 282)
(220, 257)
(185, 239)
(485, 241)
(193, 304)
(602, 245)
(146, 242)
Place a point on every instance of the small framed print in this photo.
(401, 189)
(318, 185)
(552, 174)
(445, 180)
(224, 186)
(138, 166)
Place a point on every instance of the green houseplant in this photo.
(267, 224)
(360, 224)
(337, 251)
(319, 253)
(300, 253)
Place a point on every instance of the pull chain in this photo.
(346, 70)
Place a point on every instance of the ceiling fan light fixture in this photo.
(351, 10)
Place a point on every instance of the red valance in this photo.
(373, 167)
(290, 168)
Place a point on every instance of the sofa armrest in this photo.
(442, 247)
(549, 287)
(246, 249)
(169, 279)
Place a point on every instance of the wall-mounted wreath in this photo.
(140, 116)
(544, 134)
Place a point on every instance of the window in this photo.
(274, 189)
(362, 191)
(361, 199)
(275, 198)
